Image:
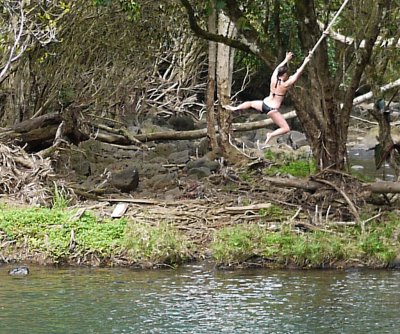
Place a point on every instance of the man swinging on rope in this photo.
(281, 82)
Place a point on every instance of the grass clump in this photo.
(162, 243)
(59, 236)
(299, 168)
(317, 249)
(236, 244)
(273, 213)
(286, 164)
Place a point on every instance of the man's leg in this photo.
(257, 105)
(278, 119)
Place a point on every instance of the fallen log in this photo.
(195, 134)
(39, 129)
(43, 129)
(40, 132)
(378, 187)
(370, 95)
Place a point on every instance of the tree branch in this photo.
(18, 35)
(380, 41)
(209, 36)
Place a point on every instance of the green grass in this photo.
(377, 247)
(286, 164)
(162, 243)
(55, 233)
(59, 236)
(273, 213)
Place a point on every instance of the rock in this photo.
(126, 180)
(294, 139)
(163, 182)
(370, 139)
(164, 150)
(19, 271)
(199, 172)
(203, 162)
(181, 157)
(357, 167)
(182, 123)
(395, 264)
(152, 168)
(297, 140)
(172, 194)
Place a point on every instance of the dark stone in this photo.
(126, 180)
(203, 162)
(162, 182)
(182, 123)
(294, 139)
(181, 157)
(19, 271)
(199, 172)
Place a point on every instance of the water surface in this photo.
(198, 299)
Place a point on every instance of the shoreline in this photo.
(58, 237)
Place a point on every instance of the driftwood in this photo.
(41, 132)
(379, 187)
(44, 128)
(28, 177)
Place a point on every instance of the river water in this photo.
(363, 161)
(199, 299)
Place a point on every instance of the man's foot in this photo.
(268, 138)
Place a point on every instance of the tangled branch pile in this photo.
(27, 177)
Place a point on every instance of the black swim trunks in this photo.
(266, 109)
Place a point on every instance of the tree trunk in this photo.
(212, 59)
(324, 122)
(388, 151)
(224, 78)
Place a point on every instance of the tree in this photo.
(115, 62)
(323, 98)
(25, 26)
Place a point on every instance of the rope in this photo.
(326, 31)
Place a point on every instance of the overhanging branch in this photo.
(214, 37)
(350, 40)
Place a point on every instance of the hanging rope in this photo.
(326, 31)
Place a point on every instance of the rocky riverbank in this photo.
(123, 199)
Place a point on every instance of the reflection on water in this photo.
(363, 161)
(197, 299)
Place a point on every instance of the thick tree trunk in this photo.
(212, 60)
(224, 70)
(324, 121)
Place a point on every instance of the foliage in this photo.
(156, 244)
(312, 249)
(60, 198)
(25, 25)
(286, 164)
(58, 235)
(274, 212)
(236, 244)
(131, 7)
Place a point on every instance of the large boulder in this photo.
(125, 180)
